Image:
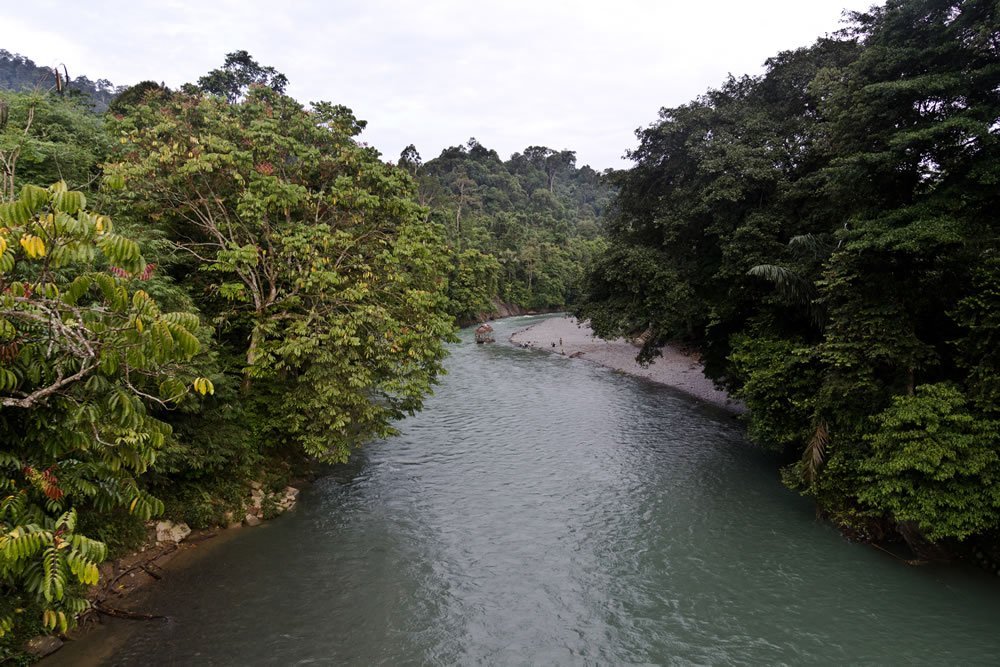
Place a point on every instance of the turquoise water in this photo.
(543, 510)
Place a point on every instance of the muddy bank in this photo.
(682, 371)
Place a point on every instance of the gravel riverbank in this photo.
(567, 336)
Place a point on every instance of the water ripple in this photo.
(546, 511)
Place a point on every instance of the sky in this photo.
(570, 75)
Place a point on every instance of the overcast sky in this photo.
(575, 75)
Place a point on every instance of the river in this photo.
(543, 510)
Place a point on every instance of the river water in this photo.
(543, 510)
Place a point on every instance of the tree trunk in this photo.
(251, 356)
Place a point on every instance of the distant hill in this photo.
(531, 223)
(20, 73)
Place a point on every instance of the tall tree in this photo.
(322, 271)
(238, 74)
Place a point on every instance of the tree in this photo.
(84, 353)
(472, 283)
(934, 463)
(238, 74)
(409, 159)
(825, 234)
(48, 138)
(323, 273)
(136, 95)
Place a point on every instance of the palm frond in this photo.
(815, 452)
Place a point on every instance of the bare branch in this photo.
(39, 395)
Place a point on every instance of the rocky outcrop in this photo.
(291, 496)
(502, 309)
(168, 531)
(39, 647)
(267, 504)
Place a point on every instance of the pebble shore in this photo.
(674, 368)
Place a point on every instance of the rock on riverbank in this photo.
(567, 336)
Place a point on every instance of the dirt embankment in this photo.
(500, 309)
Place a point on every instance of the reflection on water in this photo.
(543, 510)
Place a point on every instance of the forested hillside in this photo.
(522, 231)
(826, 234)
(22, 74)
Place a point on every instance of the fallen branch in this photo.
(130, 615)
(905, 560)
(109, 587)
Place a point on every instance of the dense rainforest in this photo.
(23, 74)
(521, 231)
(826, 235)
(206, 287)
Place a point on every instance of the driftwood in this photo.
(150, 572)
(101, 595)
(124, 613)
(108, 588)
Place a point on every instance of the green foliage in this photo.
(135, 95)
(322, 272)
(44, 557)
(473, 283)
(84, 352)
(325, 281)
(531, 223)
(203, 502)
(935, 463)
(629, 280)
(118, 529)
(825, 234)
(979, 348)
(238, 74)
(48, 138)
(781, 376)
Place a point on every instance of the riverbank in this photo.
(123, 599)
(675, 368)
(501, 310)
(169, 546)
(543, 511)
